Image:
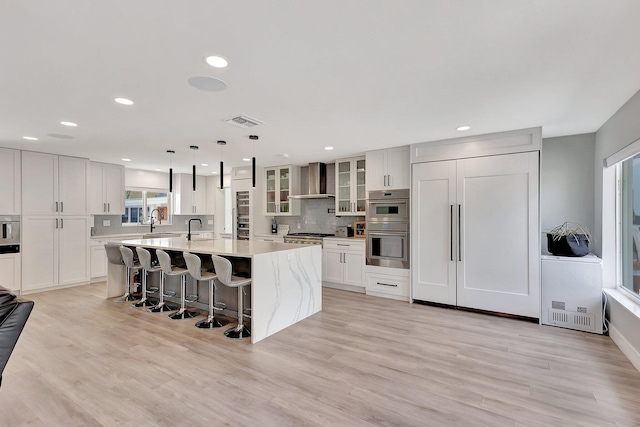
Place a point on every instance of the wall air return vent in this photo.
(244, 122)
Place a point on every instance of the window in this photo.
(629, 230)
(139, 204)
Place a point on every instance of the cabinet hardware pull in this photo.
(385, 181)
(61, 223)
(61, 206)
(56, 222)
(56, 206)
(451, 232)
(387, 284)
(108, 207)
(104, 207)
(343, 244)
(388, 180)
(459, 234)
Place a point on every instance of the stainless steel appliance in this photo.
(388, 228)
(10, 234)
(306, 238)
(344, 231)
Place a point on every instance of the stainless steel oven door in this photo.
(388, 210)
(388, 249)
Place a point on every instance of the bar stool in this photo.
(223, 272)
(194, 265)
(144, 257)
(170, 270)
(132, 266)
(115, 257)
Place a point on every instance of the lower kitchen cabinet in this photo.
(98, 260)
(343, 261)
(55, 251)
(10, 271)
(388, 282)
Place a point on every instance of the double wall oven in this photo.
(388, 228)
(9, 234)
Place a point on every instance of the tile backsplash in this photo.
(317, 216)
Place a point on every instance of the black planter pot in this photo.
(575, 245)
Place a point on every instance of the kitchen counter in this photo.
(286, 282)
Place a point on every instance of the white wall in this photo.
(146, 179)
(622, 129)
(567, 180)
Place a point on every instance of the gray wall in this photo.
(622, 129)
(567, 180)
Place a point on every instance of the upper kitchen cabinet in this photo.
(186, 201)
(10, 187)
(107, 189)
(280, 183)
(351, 196)
(54, 184)
(388, 169)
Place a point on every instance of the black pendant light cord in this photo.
(194, 148)
(170, 171)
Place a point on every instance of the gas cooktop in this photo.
(310, 235)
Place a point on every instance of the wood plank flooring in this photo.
(363, 361)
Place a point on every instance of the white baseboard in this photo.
(630, 351)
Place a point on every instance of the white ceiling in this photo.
(356, 75)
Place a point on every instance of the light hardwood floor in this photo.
(84, 361)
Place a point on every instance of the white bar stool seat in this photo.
(144, 257)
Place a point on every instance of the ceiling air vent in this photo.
(244, 121)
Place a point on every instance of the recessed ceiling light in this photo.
(461, 128)
(123, 101)
(216, 61)
(126, 160)
(214, 172)
(328, 148)
(30, 138)
(209, 84)
(246, 159)
(60, 136)
(203, 164)
(70, 124)
(158, 170)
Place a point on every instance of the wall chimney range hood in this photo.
(317, 183)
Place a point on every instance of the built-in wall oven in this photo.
(9, 234)
(388, 228)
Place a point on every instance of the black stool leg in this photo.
(211, 321)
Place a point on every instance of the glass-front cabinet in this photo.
(280, 183)
(351, 197)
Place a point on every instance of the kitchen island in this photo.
(286, 279)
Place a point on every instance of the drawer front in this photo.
(383, 284)
(343, 245)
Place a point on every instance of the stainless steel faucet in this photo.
(151, 219)
(193, 219)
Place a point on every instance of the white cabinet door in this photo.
(353, 268)
(351, 197)
(74, 250)
(498, 268)
(10, 182)
(376, 170)
(333, 266)
(98, 261)
(39, 252)
(97, 203)
(280, 183)
(433, 232)
(10, 271)
(39, 183)
(73, 175)
(398, 167)
(113, 189)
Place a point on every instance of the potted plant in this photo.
(569, 239)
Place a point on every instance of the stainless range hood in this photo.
(317, 183)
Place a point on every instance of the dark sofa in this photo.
(14, 313)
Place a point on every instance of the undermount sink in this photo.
(159, 235)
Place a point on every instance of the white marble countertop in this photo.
(238, 248)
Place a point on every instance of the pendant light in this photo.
(221, 143)
(194, 148)
(254, 138)
(170, 171)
